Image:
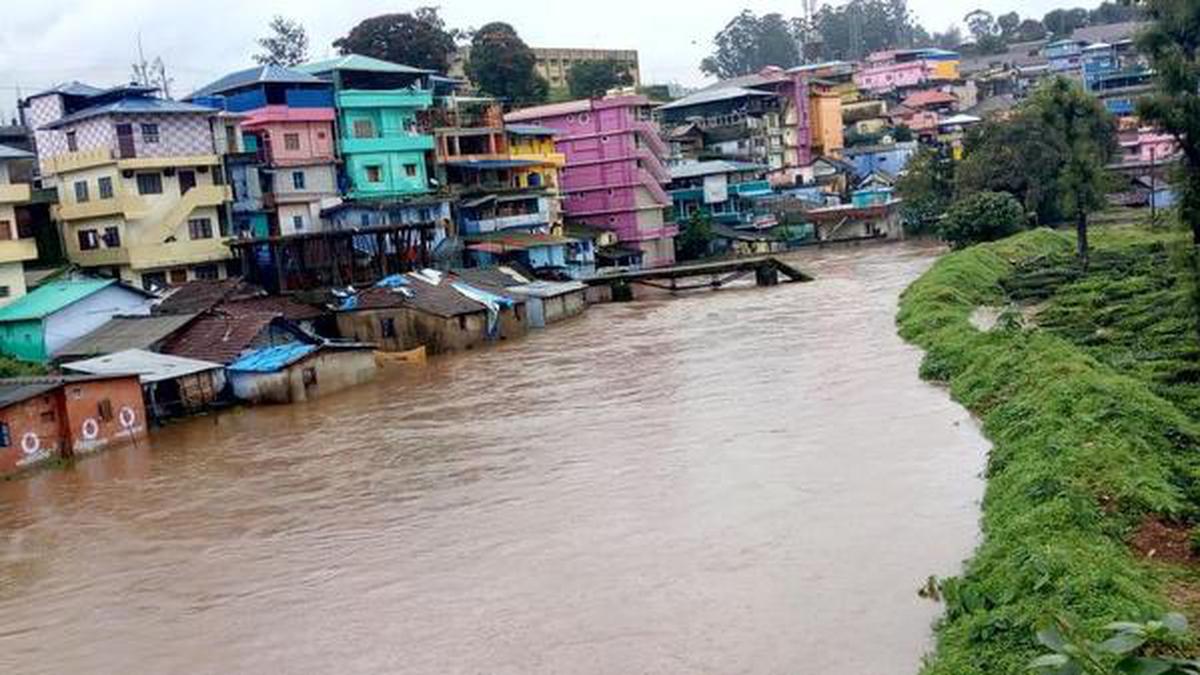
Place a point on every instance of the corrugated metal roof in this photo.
(359, 62)
(74, 88)
(271, 359)
(269, 74)
(133, 106)
(712, 167)
(220, 337)
(148, 366)
(8, 152)
(123, 333)
(17, 389)
(52, 297)
(714, 96)
(529, 130)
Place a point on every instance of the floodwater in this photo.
(745, 481)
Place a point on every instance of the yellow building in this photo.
(535, 144)
(827, 125)
(554, 65)
(140, 189)
(14, 250)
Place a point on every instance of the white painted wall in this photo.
(80, 318)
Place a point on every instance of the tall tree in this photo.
(1030, 30)
(1017, 156)
(1087, 134)
(418, 39)
(981, 23)
(1114, 12)
(287, 45)
(1173, 45)
(502, 65)
(1063, 22)
(1008, 24)
(589, 79)
(951, 39)
(748, 43)
(863, 26)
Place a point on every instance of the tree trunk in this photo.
(1081, 233)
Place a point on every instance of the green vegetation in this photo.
(591, 79)
(1088, 441)
(13, 368)
(695, 238)
(983, 216)
(502, 65)
(418, 38)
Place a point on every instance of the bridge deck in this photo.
(732, 266)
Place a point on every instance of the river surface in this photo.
(745, 481)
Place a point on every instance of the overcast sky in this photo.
(44, 42)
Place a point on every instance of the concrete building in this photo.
(287, 125)
(381, 143)
(554, 65)
(300, 372)
(15, 249)
(51, 418)
(721, 190)
(138, 178)
(901, 69)
(615, 171)
(40, 324)
(172, 386)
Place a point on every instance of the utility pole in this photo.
(1153, 188)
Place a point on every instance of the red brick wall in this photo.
(34, 432)
(86, 424)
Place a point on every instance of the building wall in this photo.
(80, 318)
(437, 334)
(546, 311)
(887, 76)
(88, 429)
(554, 65)
(12, 282)
(827, 127)
(35, 433)
(316, 142)
(330, 371)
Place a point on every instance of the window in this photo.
(387, 328)
(150, 133)
(6, 232)
(88, 240)
(462, 321)
(206, 272)
(374, 173)
(320, 135)
(291, 142)
(309, 376)
(154, 280)
(410, 170)
(298, 222)
(200, 228)
(364, 129)
(81, 191)
(5, 439)
(179, 276)
(298, 180)
(5, 291)
(112, 237)
(149, 184)
(104, 410)
(105, 187)
(364, 220)
(72, 142)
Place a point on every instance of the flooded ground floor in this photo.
(745, 481)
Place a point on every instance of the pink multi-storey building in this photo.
(615, 170)
(906, 68)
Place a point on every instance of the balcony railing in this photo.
(389, 141)
(485, 225)
(14, 193)
(18, 250)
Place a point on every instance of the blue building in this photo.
(892, 158)
(725, 191)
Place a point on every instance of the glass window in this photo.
(105, 186)
(364, 129)
(149, 133)
(81, 191)
(208, 272)
(149, 184)
(88, 240)
(387, 328)
(72, 142)
(154, 280)
(200, 228)
(410, 170)
(112, 237)
(291, 141)
(298, 180)
(298, 222)
(374, 173)
(6, 232)
(179, 275)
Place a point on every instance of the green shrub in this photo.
(983, 216)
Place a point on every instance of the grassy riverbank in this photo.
(1092, 418)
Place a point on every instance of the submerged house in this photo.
(146, 333)
(38, 325)
(172, 386)
(430, 309)
(297, 372)
(224, 335)
(546, 302)
(47, 418)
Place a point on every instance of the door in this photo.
(125, 147)
(187, 181)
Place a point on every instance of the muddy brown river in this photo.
(745, 481)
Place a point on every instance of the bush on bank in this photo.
(1081, 453)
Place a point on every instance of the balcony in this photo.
(486, 225)
(551, 158)
(75, 161)
(127, 206)
(18, 250)
(14, 193)
(392, 98)
(400, 141)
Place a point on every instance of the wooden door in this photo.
(125, 146)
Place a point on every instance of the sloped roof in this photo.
(529, 130)
(17, 389)
(148, 366)
(52, 297)
(711, 167)
(219, 337)
(199, 295)
(726, 232)
(361, 63)
(1111, 32)
(268, 74)
(271, 359)
(139, 105)
(490, 276)
(921, 99)
(123, 333)
(73, 88)
(287, 307)
(8, 152)
(417, 293)
(713, 96)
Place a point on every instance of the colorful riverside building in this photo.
(906, 68)
(615, 172)
(287, 126)
(14, 249)
(140, 192)
(382, 146)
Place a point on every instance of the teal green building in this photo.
(381, 141)
(38, 325)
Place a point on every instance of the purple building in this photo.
(615, 170)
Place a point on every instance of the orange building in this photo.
(48, 418)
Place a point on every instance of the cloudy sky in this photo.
(43, 42)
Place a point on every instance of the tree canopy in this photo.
(502, 65)
(748, 43)
(983, 216)
(589, 79)
(287, 45)
(419, 39)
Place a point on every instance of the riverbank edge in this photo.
(1080, 455)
